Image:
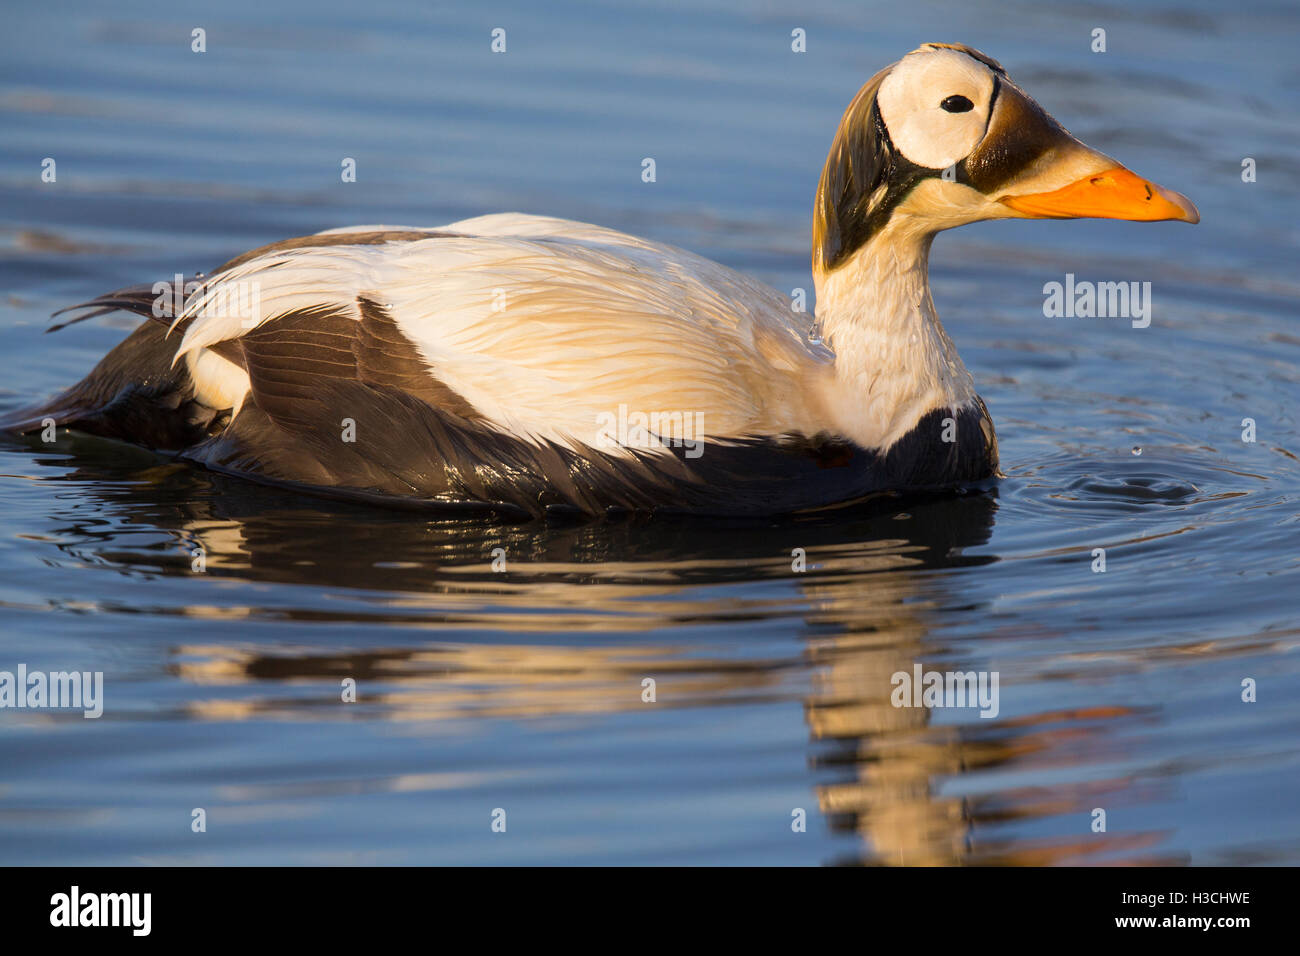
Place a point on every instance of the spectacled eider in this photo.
(521, 363)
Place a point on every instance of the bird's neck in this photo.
(893, 360)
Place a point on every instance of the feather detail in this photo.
(546, 327)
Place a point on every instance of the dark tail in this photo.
(134, 393)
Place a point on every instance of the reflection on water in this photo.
(584, 612)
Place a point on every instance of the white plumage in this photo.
(545, 324)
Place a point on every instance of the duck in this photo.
(523, 365)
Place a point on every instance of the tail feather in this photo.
(140, 299)
(135, 393)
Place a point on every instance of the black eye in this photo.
(957, 104)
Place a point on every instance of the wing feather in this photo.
(543, 325)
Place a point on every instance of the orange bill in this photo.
(1112, 194)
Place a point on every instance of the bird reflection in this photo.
(584, 612)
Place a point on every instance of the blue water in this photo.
(521, 691)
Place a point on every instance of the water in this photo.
(522, 690)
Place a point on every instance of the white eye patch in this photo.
(910, 101)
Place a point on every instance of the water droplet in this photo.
(814, 337)
(913, 339)
(1137, 450)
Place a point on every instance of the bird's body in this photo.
(521, 363)
(544, 325)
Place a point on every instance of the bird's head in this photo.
(942, 138)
